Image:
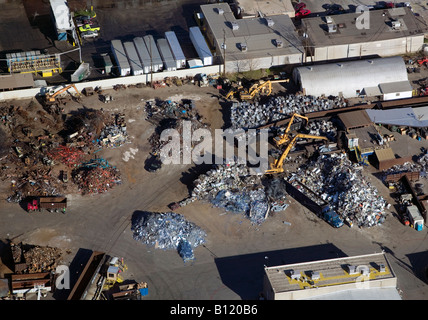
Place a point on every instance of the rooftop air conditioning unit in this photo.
(382, 268)
(315, 275)
(235, 26)
(269, 22)
(352, 270)
(329, 19)
(295, 274)
(220, 11)
(278, 43)
(243, 47)
(396, 25)
(332, 28)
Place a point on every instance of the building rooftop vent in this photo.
(269, 22)
(235, 26)
(331, 28)
(279, 43)
(220, 11)
(315, 275)
(396, 25)
(243, 47)
(295, 274)
(329, 19)
(382, 268)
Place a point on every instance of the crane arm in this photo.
(277, 166)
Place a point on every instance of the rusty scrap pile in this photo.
(96, 176)
(70, 156)
(34, 259)
(36, 146)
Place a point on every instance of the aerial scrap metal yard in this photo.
(110, 166)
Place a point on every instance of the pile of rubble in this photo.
(338, 181)
(114, 134)
(249, 115)
(233, 188)
(170, 115)
(34, 259)
(168, 230)
(96, 176)
(36, 146)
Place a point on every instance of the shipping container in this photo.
(124, 69)
(133, 58)
(201, 46)
(156, 60)
(166, 54)
(107, 64)
(176, 50)
(143, 54)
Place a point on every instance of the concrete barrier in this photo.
(110, 83)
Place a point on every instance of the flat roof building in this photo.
(251, 8)
(360, 277)
(372, 33)
(251, 43)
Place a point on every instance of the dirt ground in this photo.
(230, 265)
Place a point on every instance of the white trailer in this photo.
(176, 50)
(166, 54)
(157, 63)
(124, 69)
(201, 46)
(133, 58)
(143, 53)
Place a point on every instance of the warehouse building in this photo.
(376, 33)
(384, 78)
(368, 277)
(251, 43)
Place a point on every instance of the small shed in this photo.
(396, 90)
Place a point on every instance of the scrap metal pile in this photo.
(233, 188)
(96, 176)
(34, 259)
(167, 231)
(249, 115)
(170, 115)
(338, 181)
(37, 146)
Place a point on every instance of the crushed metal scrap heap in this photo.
(233, 188)
(338, 181)
(249, 115)
(168, 230)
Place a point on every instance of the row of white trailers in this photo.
(144, 55)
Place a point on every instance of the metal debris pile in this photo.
(322, 128)
(249, 115)
(338, 181)
(232, 188)
(114, 134)
(170, 115)
(37, 146)
(35, 259)
(96, 176)
(168, 230)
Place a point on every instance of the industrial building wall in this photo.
(240, 65)
(382, 48)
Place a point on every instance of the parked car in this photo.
(299, 7)
(89, 34)
(88, 27)
(302, 13)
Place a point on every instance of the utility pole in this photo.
(151, 64)
(224, 53)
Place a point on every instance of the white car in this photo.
(89, 34)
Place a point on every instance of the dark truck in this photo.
(313, 202)
(48, 203)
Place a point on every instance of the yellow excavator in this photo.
(50, 98)
(261, 86)
(278, 165)
(285, 137)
